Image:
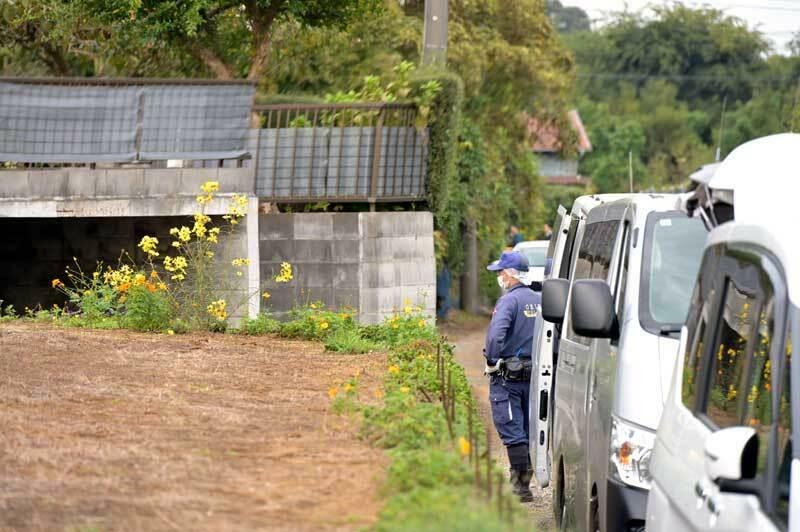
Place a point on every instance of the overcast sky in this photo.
(777, 19)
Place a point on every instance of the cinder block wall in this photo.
(372, 262)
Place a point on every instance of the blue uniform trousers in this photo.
(509, 402)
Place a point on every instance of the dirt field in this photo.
(124, 431)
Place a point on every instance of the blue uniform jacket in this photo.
(511, 329)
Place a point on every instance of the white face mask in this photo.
(500, 282)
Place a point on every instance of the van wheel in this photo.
(559, 506)
(594, 511)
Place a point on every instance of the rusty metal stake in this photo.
(469, 434)
(488, 466)
(500, 493)
(510, 511)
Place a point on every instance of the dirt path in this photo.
(469, 337)
(124, 431)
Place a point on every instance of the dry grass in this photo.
(113, 430)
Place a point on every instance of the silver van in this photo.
(724, 457)
(620, 311)
(546, 334)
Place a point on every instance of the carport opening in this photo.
(34, 251)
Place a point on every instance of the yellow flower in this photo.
(463, 446)
(154, 274)
(56, 283)
(162, 286)
(313, 305)
(139, 279)
(185, 234)
(332, 391)
(240, 262)
(213, 233)
(422, 323)
(394, 368)
(149, 244)
(170, 332)
(217, 309)
(408, 309)
(285, 275)
(347, 387)
(203, 199)
(209, 254)
(210, 186)
(405, 389)
(324, 325)
(395, 326)
(266, 295)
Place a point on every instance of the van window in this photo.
(594, 258)
(566, 259)
(551, 247)
(784, 435)
(724, 403)
(672, 249)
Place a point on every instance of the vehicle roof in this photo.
(532, 244)
(763, 174)
(583, 204)
(644, 203)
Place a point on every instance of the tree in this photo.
(229, 38)
(567, 19)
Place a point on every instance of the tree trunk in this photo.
(214, 63)
(260, 59)
(469, 279)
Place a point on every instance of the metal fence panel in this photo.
(86, 121)
(81, 124)
(195, 121)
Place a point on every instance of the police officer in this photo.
(509, 342)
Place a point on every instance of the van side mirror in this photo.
(554, 300)
(593, 312)
(731, 454)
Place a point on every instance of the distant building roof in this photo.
(546, 134)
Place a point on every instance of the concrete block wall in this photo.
(397, 263)
(372, 262)
(323, 249)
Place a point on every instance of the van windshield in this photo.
(673, 248)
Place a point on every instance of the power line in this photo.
(680, 77)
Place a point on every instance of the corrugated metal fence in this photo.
(300, 153)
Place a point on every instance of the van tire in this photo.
(594, 511)
(559, 506)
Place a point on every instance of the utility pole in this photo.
(434, 33)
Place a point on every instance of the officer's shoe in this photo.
(520, 484)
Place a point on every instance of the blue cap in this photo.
(510, 259)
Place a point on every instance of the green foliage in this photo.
(555, 195)
(655, 86)
(146, 310)
(130, 37)
(443, 127)
(261, 324)
(349, 340)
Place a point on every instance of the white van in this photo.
(620, 311)
(723, 457)
(546, 334)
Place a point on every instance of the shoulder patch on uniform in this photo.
(530, 310)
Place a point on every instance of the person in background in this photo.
(548, 232)
(514, 236)
(443, 282)
(509, 344)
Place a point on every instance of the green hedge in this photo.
(443, 127)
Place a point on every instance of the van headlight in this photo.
(631, 449)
